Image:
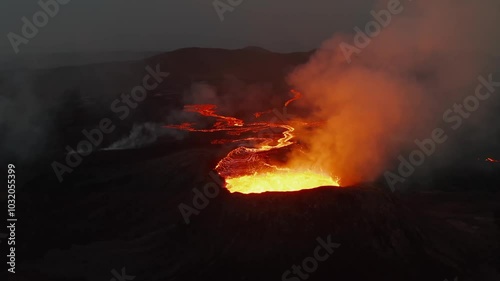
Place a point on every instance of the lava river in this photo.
(254, 165)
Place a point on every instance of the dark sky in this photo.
(161, 25)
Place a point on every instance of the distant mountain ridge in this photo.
(52, 60)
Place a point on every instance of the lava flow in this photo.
(491, 160)
(252, 167)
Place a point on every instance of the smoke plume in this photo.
(395, 89)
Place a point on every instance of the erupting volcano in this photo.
(256, 165)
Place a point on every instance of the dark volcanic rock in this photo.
(241, 237)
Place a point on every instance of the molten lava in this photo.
(279, 181)
(296, 95)
(251, 167)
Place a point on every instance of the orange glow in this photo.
(252, 167)
(279, 181)
(208, 110)
(297, 95)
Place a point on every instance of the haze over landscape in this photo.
(251, 140)
(86, 26)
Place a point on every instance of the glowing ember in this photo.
(492, 160)
(279, 181)
(249, 168)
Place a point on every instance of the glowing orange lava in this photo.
(296, 95)
(279, 181)
(250, 167)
